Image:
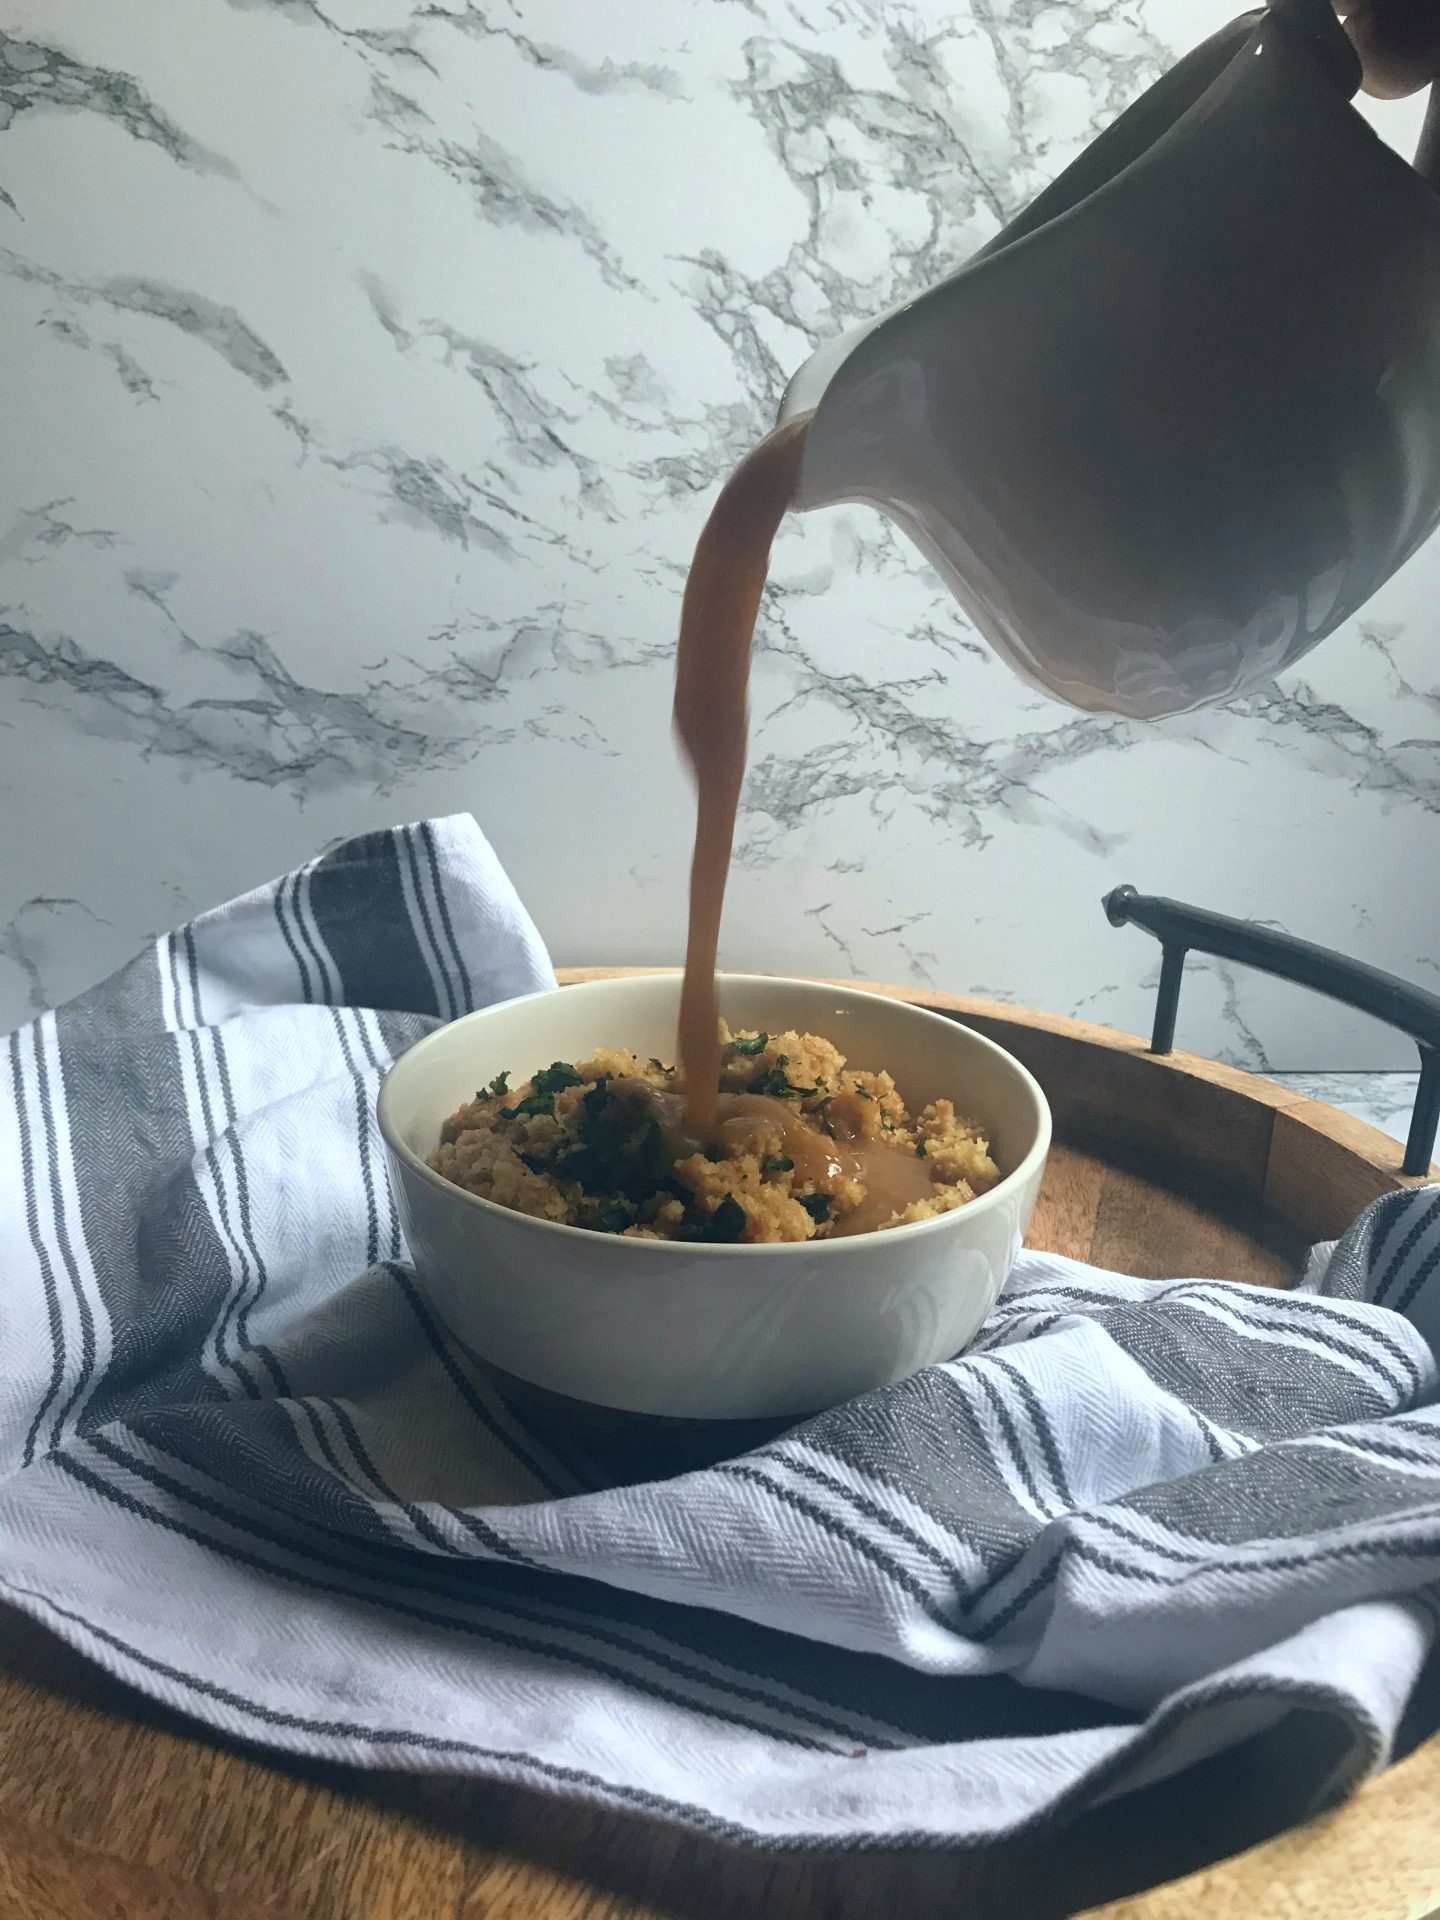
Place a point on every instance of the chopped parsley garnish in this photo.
(774, 1082)
(556, 1077)
(920, 1146)
(749, 1048)
(863, 1093)
(659, 1065)
(533, 1103)
(616, 1148)
(614, 1217)
(777, 1163)
(727, 1223)
(500, 1084)
(887, 1125)
(817, 1205)
(546, 1084)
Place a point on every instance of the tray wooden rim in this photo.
(1382, 1838)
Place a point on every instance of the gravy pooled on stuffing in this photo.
(892, 1177)
(802, 1147)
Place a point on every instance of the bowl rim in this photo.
(1008, 1183)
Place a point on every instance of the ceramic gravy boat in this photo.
(1182, 417)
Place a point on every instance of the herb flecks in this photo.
(817, 1205)
(749, 1048)
(556, 1077)
(533, 1105)
(543, 1088)
(727, 1224)
(777, 1163)
(774, 1082)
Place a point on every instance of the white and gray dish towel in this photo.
(243, 1466)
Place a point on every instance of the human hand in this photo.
(1398, 42)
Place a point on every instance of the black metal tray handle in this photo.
(1181, 930)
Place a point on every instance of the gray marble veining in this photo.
(35, 76)
(369, 365)
(1384, 1100)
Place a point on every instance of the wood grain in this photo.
(45, 1878)
(1069, 1203)
(111, 1806)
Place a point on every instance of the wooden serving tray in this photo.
(1161, 1167)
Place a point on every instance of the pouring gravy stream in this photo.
(712, 678)
(712, 673)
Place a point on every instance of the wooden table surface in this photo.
(112, 1806)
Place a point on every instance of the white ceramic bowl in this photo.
(710, 1332)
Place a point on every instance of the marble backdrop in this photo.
(367, 367)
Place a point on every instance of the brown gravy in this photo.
(891, 1176)
(712, 676)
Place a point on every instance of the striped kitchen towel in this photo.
(243, 1466)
